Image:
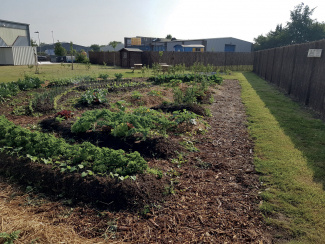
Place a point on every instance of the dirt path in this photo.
(215, 201)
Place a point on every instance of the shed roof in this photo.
(131, 49)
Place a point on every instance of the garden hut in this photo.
(130, 56)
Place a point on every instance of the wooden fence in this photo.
(172, 58)
(289, 68)
(105, 57)
(189, 58)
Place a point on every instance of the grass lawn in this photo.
(290, 155)
(55, 71)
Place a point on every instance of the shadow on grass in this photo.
(305, 131)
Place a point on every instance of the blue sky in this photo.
(87, 22)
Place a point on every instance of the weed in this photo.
(9, 238)
(136, 95)
(158, 173)
(189, 145)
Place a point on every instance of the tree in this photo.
(114, 44)
(59, 50)
(95, 48)
(72, 51)
(82, 57)
(33, 43)
(169, 36)
(301, 28)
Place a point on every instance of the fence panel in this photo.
(277, 65)
(317, 88)
(302, 72)
(294, 72)
(269, 64)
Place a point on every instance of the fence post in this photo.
(293, 69)
(311, 77)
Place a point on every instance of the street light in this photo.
(52, 38)
(39, 41)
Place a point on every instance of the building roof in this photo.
(12, 22)
(131, 49)
(192, 45)
(111, 49)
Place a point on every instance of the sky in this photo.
(86, 22)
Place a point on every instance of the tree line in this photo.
(300, 29)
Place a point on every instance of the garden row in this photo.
(83, 158)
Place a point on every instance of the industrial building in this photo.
(227, 44)
(15, 45)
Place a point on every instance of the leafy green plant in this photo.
(142, 119)
(118, 76)
(98, 160)
(9, 238)
(185, 116)
(136, 95)
(103, 76)
(94, 96)
(189, 145)
(12, 88)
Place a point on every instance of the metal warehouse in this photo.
(15, 46)
(226, 44)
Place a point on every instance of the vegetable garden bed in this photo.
(191, 177)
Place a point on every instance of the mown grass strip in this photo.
(290, 155)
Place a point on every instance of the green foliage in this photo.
(136, 95)
(81, 57)
(98, 160)
(103, 76)
(9, 238)
(189, 95)
(118, 76)
(302, 28)
(44, 102)
(114, 44)
(160, 79)
(59, 50)
(185, 116)
(158, 173)
(12, 88)
(141, 121)
(94, 96)
(189, 145)
(95, 48)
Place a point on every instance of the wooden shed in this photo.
(130, 56)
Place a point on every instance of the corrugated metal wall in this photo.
(24, 55)
(17, 55)
(6, 56)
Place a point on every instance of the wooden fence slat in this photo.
(293, 72)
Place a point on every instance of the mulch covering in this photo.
(210, 198)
